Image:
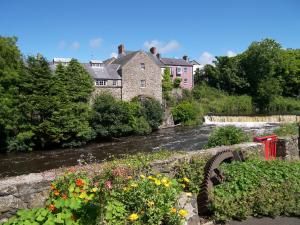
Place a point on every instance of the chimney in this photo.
(121, 49)
(153, 50)
(185, 57)
(158, 55)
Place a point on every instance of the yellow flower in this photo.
(94, 189)
(164, 180)
(133, 217)
(150, 203)
(183, 185)
(183, 212)
(157, 182)
(125, 189)
(150, 178)
(189, 194)
(129, 177)
(133, 185)
(173, 210)
(187, 180)
(167, 184)
(83, 195)
(142, 176)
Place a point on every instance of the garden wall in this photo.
(31, 190)
(288, 148)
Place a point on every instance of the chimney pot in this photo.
(121, 49)
(153, 50)
(185, 57)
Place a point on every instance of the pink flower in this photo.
(108, 184)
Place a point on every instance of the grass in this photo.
(289, 129)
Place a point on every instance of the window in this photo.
(143, 83)
(114, 82)
(96, 65)
(171, 71)
(185, 69)
(178, 71)
(101, 82)
(185, 80)
(142, 66)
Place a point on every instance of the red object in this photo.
(270, 145)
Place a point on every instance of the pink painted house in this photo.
(181, 68)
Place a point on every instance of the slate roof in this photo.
(104, 72)
(124, 59)
(194, 62)
(175, 62)
(109, 72)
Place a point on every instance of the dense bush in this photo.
(284, 105)
(287, 129)
(177, 82)
(257, 188)
(228, 135)
(151, 110)
(186, 113)
(214, 101)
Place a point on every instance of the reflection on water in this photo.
(178, 138)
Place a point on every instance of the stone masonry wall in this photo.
(132, 74)
(114, 91)
(287, 148)
(31, 190)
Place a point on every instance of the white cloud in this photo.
(113, 54)
(75, 45)
(206, 58)
(96, 42)
(163, 47)
(62, 45)
(230, 53)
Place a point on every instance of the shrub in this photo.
(228, 135)
(288, 129)
(151, 110)
(186, 112)
(257, 188)
(140, 126)
(177, 82)
(284, 105)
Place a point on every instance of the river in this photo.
(177, 138)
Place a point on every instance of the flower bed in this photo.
(117, 196)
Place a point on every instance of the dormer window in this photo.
(96, 63)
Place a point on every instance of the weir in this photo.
(252, 119)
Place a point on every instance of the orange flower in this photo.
(79, 182)
(56, 192)
(52, 186)
(51, 207)
(64, 197)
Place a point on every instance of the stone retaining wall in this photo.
(287, 148)
(31, 190)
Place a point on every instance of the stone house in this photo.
(133, 73)
(179, 68)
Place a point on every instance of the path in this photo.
(268, 221)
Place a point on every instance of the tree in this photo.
(11, 72)
(167, 82)
(198, 76)
(177, 82)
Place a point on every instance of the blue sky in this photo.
(201, 29)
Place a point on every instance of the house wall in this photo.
(114, 91)
(184, 75)
(132, 74)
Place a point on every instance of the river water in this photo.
(172, 139)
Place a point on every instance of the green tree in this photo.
(11, 72)
(167, 82)
(177, 82)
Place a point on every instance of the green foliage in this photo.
(264, 71)
(167, 82)
(214, 101)
(287, 129)
(151, 110)
(140, 126)
(112, 117)
(284, 105)
(228, 135)
(114, 198)
(194, 171)
(257, 188)
(177, 82)
(186, 112)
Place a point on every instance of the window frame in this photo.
(143, 83)
(142, 66)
